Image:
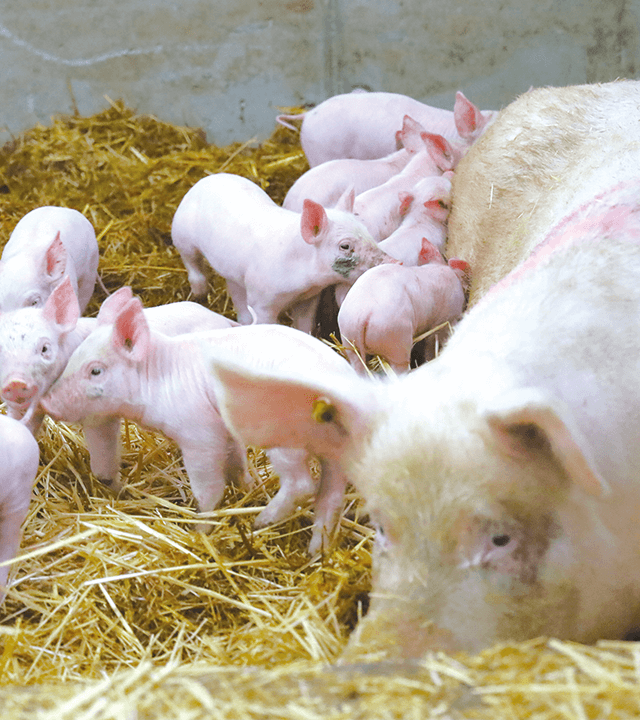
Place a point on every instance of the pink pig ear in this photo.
(62, 306)
(440, 150)
(130, 337)
(406, 199)
(527, 424)
(347, 200)
(466, 116)
(55, 259)
(429, 253)
(410, 137)
(313, 221)
(266, 404)
(113, 305)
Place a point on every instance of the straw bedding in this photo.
(119, 609)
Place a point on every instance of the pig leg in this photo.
(328, 506)
(296, 485)
(236, 470)
(206, 465)
(196, 272)
(10, 536)
(303, 314)
(238, 296)
(103, 443)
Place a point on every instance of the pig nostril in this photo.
(17, 391)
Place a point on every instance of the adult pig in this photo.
(270, 257)
(363, 124)
(388, 306)
(503, 474)
(19, 455)
(47, 244)
(325, 184)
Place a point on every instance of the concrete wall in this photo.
(227, 65)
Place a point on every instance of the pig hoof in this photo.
(204, 527)
(112, 483)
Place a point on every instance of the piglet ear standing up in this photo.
(410, 137)
(466, 116)
(347, 200)
(429, 253)
(130, 337)
(113, 305)
(440, 150)
(62, 306)
(55, 259)
(313, 222)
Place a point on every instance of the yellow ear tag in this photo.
(323, 410)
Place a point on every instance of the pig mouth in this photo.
(344, 266)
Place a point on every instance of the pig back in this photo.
(545, 155)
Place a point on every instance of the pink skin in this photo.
(426, 217)
(19, 456)
(362, 125)
(103, 435)
(326, 183)
(126, 370)
(271, 258)
(47, 245)
(35, 344)
(390, 305)
(382, 209)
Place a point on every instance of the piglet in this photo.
(125, 369)
(270, 257)
(47, 244)
(391, 304)
(362, 124)
(19, 456)
(326, 183)
(36, 343)
(382, 209)
(426, 217)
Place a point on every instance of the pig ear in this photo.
(313, 221)
(429, 253)
(347, 200)
(410, 137)
(466, 116)
(62, 306)
(55, 259)
(130, 336)
(528, 424)
(463, 270)
(440, 149)
(113, 305)
(406, 199)
(266, 406)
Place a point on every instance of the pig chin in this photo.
(58, 410)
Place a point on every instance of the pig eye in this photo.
(45, 349)
(33, 301)
(501, 540)
(346, 246)
(95, 371)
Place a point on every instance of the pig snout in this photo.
(18, 391)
